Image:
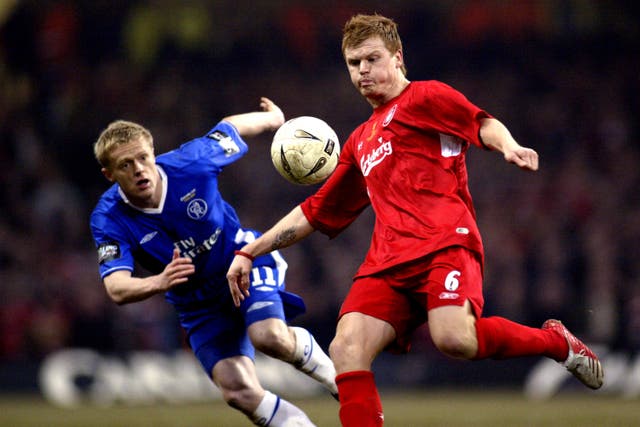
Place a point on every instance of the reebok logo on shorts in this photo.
(448, 295)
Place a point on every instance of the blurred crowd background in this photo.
(563, 75)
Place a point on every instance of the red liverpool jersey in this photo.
(408, 162)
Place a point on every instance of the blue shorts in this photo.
(218, 330)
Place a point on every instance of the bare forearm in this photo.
(125, 289)
(290, 229)
(251, 124)
(256, 122)
(496, 136)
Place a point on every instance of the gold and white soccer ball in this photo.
(305, 150)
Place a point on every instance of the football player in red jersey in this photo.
(426, 257)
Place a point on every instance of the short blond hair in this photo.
(362, 27)
(117, 133)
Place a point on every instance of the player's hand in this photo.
(269, 106)
(524, 158)
(177, 271)
(238, 278)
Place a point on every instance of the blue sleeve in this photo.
(219, 147)
(114, 253)
(225, 144)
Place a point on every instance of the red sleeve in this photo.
(340, 200)
(454, 112)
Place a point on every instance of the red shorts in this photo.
(404, 295)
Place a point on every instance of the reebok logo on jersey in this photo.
(259, 305)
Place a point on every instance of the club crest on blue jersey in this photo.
(197, 209)
(108, 251)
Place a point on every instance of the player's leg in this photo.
(373, 317)
(453, 283)
(311, 359)
(359, 339)
(457, 333)
(237, 380)
(453, 330)
(294, 345)
(266, 312)
(221, 344)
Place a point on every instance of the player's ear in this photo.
(107, 174)
(399, 58)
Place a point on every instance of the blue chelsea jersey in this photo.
(192, 216)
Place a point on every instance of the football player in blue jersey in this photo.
(167, 214)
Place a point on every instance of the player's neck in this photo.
(157, 193)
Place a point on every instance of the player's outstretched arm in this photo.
(250, 124)
(496, 136)
(292, 228)
(123, 288)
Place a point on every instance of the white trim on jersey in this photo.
(163, 182)
(111, 270)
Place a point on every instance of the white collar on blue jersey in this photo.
(163, 198)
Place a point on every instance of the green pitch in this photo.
(406, 409)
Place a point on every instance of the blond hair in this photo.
(362, 27)
(117, 133)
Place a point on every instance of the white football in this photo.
(305, 150)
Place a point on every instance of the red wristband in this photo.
(246, 255)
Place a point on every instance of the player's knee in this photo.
(457, 345)
(337, 348)
(275, 342)
(344, 351)
(453, 331)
